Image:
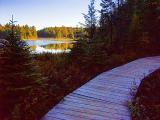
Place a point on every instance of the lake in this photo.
(50, 46)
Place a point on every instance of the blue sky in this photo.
(44, 13)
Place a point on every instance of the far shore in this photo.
(62, 39)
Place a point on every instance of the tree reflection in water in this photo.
(52, 48)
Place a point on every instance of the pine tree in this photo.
(91, 20)
(106, 20)
(151, 20)
(18, 77)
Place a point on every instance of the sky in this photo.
(45, 13)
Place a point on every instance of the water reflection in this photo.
(45, 42)
(50, 46)
(39, 49)
(62, 46)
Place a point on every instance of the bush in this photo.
(148, 96)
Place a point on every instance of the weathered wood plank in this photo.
(105, 105)
(86, 115)
(118, 84)
(104, 91)
(84, 105)
(52, 118)
(109, 89)
(89, 111)
(106, 96)
(86, 98)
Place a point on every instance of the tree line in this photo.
(125, 29)
(124, 24)
(130, 24)
(25, 31)
(60, 32)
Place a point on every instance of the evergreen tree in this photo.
(19, 78)
(91, 20)
(151, 19)
(106, 20)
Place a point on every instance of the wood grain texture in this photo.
(106, 96)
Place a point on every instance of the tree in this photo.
(90, 20)
(25, 32)
(33, 32)
(151, 20)
(58, 32)
(19, 78)
(106, 20)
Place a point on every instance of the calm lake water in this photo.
(50, 46)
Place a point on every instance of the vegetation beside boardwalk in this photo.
(146, 104)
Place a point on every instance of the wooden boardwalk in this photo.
(106, 96)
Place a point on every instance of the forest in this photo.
(26, 32)
(125, 31)
(60, 32)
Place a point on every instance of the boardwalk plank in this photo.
(109, 89)
(78, 96)
(85, 115)
(106, 94)
(101, 108)
(105, 98)
(90, 100)
(84, 109)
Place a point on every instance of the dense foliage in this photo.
(25, 31)
(22, 85)
(90, 20)
(130, 25)
(60, 32)
(125, 28)
(146, 103)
